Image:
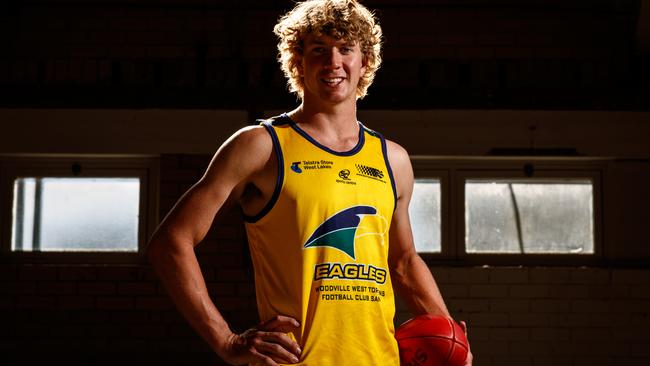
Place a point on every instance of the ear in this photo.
(364, 65)
(299, 67)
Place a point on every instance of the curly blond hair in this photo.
(341, 19)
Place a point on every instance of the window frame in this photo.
(460, 169)
(144, 167)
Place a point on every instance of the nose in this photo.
(334, 59)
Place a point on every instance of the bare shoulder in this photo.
(253, 138)
(244, 153)
(398, 157)
(400, 163)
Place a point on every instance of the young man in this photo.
(326, 207)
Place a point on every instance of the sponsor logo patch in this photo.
(370, 172)
(295, 166)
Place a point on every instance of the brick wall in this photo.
(551, 315)
(136, 54)
(545, 54)
(103, 314)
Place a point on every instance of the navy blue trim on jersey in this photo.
(278, 181)
(390, 171)
(304, 134)
(281, 120)
(370, 131)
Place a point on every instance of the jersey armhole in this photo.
(279, 180)
(384, 150)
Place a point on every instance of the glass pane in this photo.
(424, 211)
(75, 214)
(539, 217)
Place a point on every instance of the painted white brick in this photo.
(468, 275)
(509, 334)
(531, 348)
(454, 291)
(590, 275)
(529, 291)
(510, 305)
(604, 348)
(514, 361)
(640, 320)
(550, 306)
(631, 306)
(590, 306)
(595, 335)
(594, 361)
(568, 292)
(631, 276)
(440, 274)
(550, 275)
(509, 275)
(477, 333)
(586, 320)
(558, 320)
(555, 361)
(528, 320)
(469, 305)
(488, 291)
(488, 319)
(608, 291)
(640, 291)
(631, 334)
(638, 349)
(550, 334)
(490, 348)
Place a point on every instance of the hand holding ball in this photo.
(431, 340)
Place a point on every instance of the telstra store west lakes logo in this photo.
(341, 230)
(295, 166)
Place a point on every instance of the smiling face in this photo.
(331, 69)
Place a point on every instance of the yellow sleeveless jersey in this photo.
(320, 247)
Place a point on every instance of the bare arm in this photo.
(171, 253)
(411, 277)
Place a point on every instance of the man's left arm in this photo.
(411, 277)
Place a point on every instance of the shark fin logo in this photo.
(340, 230)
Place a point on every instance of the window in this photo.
(75, 214)
(76, 205)
(424, 211)
(500, 213)
(510, 216)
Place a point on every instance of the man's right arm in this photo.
(171, 253)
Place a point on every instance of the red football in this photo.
(431, 340)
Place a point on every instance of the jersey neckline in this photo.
(304, 134)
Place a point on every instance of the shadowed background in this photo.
(461, 78)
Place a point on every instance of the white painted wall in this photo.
(421, 132)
